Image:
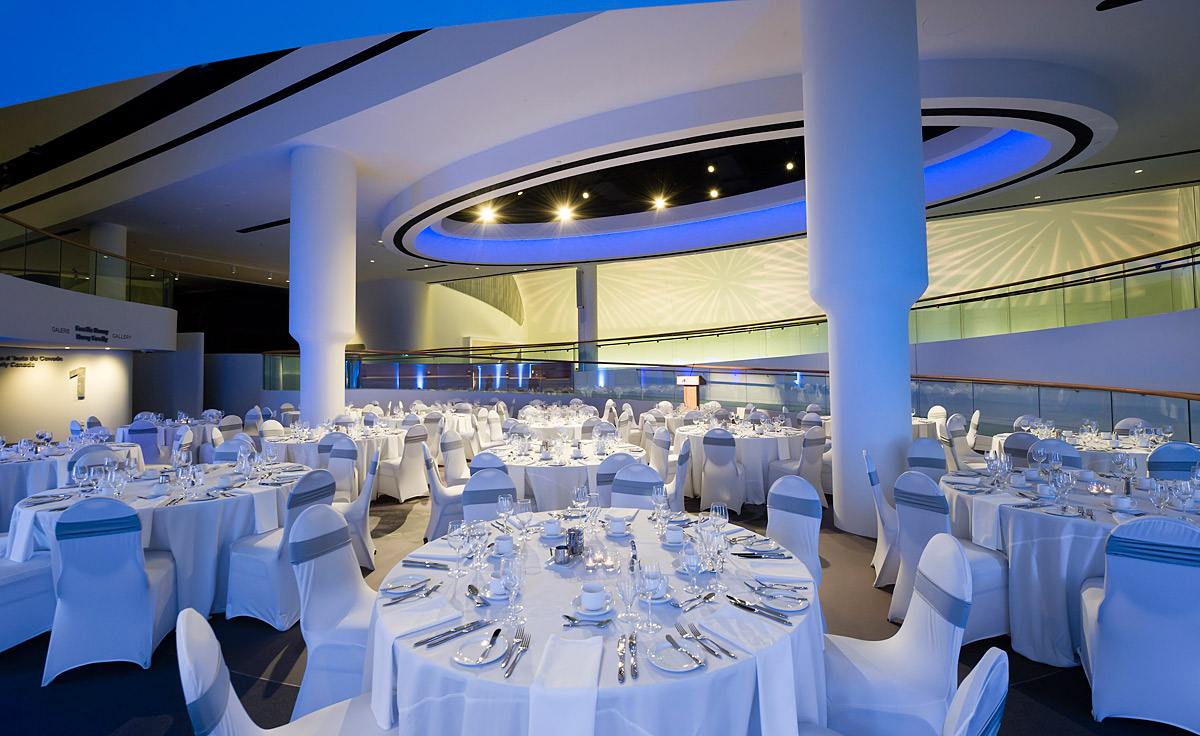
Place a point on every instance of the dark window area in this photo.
(235, 317)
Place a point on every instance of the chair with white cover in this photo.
(76, 429)
(229, 450)
(681, 484)
(964, 457)
(1071, 459)
(207, 450)
(1136, 651)
(903, 685)
(610, 412)
(261, 583)
(403, 477)
(434, 424)
(495, 432)
(808, 466)
(665, 407)
(90, 455)
(604, 429)
(94, 421)
(660, 457)
(501, 409)
(145, 435)
(1030, 418)
(335, 609)
(115, 602)
(357, 515)
(789, 419)
(410, 420)
(810, 420)
(629, 434)
(794, 520)
(370, 419)
(486, 460)
(812, 409)
(213, 704)
(286, 406)
(633, 487)
(325, 447)
(973, 430)
(606, 473)
(925, 455)
(938, 415)
(1173, 461)
(271, 431)
(343, 421)
(922, 513)
(268, 413)
(252, 424)
(723, 479)
(182, 442)
(1017, 445)
(758, 417)
(575, 402)
(230, 425)
(26, 598)
(651, 422)
(445, 503)
(454, 459)
(887, 557)
(343, 466)
(588, 427)
(481, 491)
(1124, 426)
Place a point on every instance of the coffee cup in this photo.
(496, 584)
(593, 597)
(616, 525)
(504, 544)
(225, 481)
(1142, 484)
(1121, 502)
(546, 455)
(577, 453)
(1031, 473)
(1018, 480)
(1087, 475)
(673, 535)
(552, 528)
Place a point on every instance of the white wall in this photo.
(233, 382)
(44, 396)
(399, 314)
(171, 382)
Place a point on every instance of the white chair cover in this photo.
(76, 428)
(183, 441)
(94, 422)
(1173, 461)
(286, 406)
(145, 435)
(209, 449)
(1016, 446)
(812, 409)
(115, 602)
(973, 430)
(903, 685)
(810, 420)
(1031, 418)
(604, 428)
(357, 515)
(887, 557)
(925, 455)
(1138, 624)
(633, 487)
(606, 473)
(794, 520)
(335, 609)
(445, 503)
(610, 412)
(343, 465)
(229, 450)
(434, 424)
(485, 460)
(481, 491)
(261, 583)
(454, 459)
(26, 599)
(403, 477)
(723, 478)
(978, 706)
(1124, 426)
(495, 432)
(271, 430)
(660, 457)
(625, 427)
(251, 426)
(325, 447)
(410, 420)
(1071, 459)
(588, 427)
(812, 451)
(90, 455)
(230, 425)
(680, 486)
(922, 513)
(758, 417)
(343, 421)
(965, 458)
(665, 407)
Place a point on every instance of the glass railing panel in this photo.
(1194, 413)
(111, 277)
(1149, 293)
(1039, 311)
(999, 405)
(1088, 303)
(77, 268)
(12, 248)
(145, 285)
(939, 323)
(954, 396)
(987, 317)
(42, 259)
(1068, 407)
(814, 338)
(1155, 410)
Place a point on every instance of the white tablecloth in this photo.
(755, 452)
(20, 479)
(305, 453)
(550, 430)
(551, 486)
(1049, 557)
(201, 435)
(197, 533)
(1093, 459)
(429, 694)
(920, 427)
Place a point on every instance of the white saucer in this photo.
(761, 545)
(1115, 508)
(672, 545)
(625, 535)
(556, 538)
(783, 604)
(665, 597)
(608, 606)
(669, 659)
(470, 650)
(486, 592)
(403, 584)
(681, 572)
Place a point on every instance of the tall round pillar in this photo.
(322, 275)
(111, 275)
(866, 229)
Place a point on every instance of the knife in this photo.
(621, 659)
(760, 611)
(455, 635)
(633, 655)
(762, 555)
(429, 565)
(671, 640)
(486, 650)
(456, 629)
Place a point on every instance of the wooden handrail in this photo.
(60, 238)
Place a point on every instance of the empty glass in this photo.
(524, 516)
(658, 496)
(512, 574)
(692, 564)
(504, 507)
(1159, 494)
(649, 581)
(627, 589)
(457, 539)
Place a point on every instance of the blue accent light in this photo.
(420, 376)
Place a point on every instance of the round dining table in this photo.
(571, 675)
(22, 477)
(551, 483)
(197, 529)
(754, 451)
(389, 443)
(1093, 455)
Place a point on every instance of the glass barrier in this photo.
(39, 256)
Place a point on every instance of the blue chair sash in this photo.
(1171, 466)
(662, 443)
(873, 477)
(921, 501)
(374, 468)
(411, 437)
(927, 462)
(343, 454)
(312, 495)
(605, 479)
(324, 449)
(144, 430)
(814, 442)
(634, 487)
(810, 507)
(207, 710)
(720, 442)
(948, 606)
(97, 527)
(482, 496)
(451, 446)
(305, 550)
(1141, 549)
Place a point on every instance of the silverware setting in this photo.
(684, 634)
(473, 594)
(572, 622)
(425, 564)
(762, 555)
(768, 592)
(432, 641)
(633, 655)
(621, 659)
(522, 647)
(699, 662)
(488, 649)
(415, 595)
(764, 612)
(512, 646)
(696, 632)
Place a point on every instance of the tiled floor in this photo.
(267, 666)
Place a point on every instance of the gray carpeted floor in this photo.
(267, 666)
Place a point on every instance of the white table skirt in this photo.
(201, 435)
(197, 533)
(430, 695)
(305, 453)
(551, 486)
(1049, 557)
(1098, 460)
(754, 452)
(546, 431)
(20, 479)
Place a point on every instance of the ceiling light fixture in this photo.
(487, 213)
(270, 275)
(1038, 196)
(659, 203)
(372, 260)
(520, 193)
(713, 193)
(380, 241)
(1137, 171)
(585, 195)
(711, 168)
(790, 166)
(564, 212)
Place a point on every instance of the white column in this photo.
(585, 301)
(866, 228)
(110, 272)
(322, 274)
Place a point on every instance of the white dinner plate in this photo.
(623, 535)
(669, 659)
(761, 545)
(608, 605)
(782, 604)
(553, 540)
(403, 584)
(469, 652)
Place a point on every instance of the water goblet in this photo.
(719, 514)
(457, 539)
(1038, 455)
(1159, 494)
(658, 497)
(512, 574)
(477, 536)
(523, 513)
(1167, 431)
(79, 474)
(627, 589)
(504, 507)
(649, 583)
(1182, 491)
(692, 563)
(593, 511)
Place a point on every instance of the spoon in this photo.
(582, 622)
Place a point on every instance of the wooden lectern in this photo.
(691, 389)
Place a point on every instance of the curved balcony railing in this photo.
(37, 255)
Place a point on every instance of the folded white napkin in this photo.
(772, 651)
(438, 549)
(792, 572)
(387, 624)
(1122, 517)
(785, 451)
(965, 480)
(562, 698)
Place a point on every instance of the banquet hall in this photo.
(539, 369)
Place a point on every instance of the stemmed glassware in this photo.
(718, 513)
(1056, 462)
(504, 507)
(627, 589)
(512, 574)
(1167, 431)
(79, 474)
(649, 582)
(692, 564)
(524, 516)
(593, 511)
(1038, 455)
(1159, 495)
(658, 496)
(457, 539)
(579, 498)
(477, 536)
(1182, 491)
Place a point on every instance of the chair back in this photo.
(228, 451)
(758, 417)
(660, 451)
(230, 425)
(326, 570)
(575, 402)
(625, 424)
(495, 426)
(921, 513)
(678, 488)
(936, 412)
(603, 429)
(812, 409)
(722, 415)
(665, 407)
(342, 421)
(810, 420)
(271, 431)
(437, 488)
(747, 410)
(90, 455)
(885, 506)
(633, 486)
(481, 491)
(410, 481)
(183, 440)
(212, 703)
(325, 447)
(794, 520)
(588, 427)
(606, 474)
(267, 413)
(316, 487)
(925, 455)
(978, 706)
(286, 406)
(812, 452)
(937, 615)
(1016, 446)
(454, 457)
(973, 430)
(1071, 459)
(1124, 426)
(938, 415)
(410, 420)
(720, 448)
(254, 420)
(1173, 461)
(721, 481)
(76, 428)
(145, 435)
(370, 419)
(94, 422)
(433, 423)
(956, 433)
(486, 461)
(343, 465)
(610, 412)
(692, 416)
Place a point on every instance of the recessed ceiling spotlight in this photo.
(1038, 196)
(487, 213)
(713, 193)
(477, 268)
(790, 166)
(424, 265)
(585, 195)
(520, 193)
(287, 281)
(381, 241)
(271, 275)
(372, 260)
(1137, 171)
(659, 203)
(564, 212)
(711, 168)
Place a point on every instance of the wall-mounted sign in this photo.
(80, 376)
(26, 361)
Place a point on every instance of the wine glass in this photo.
(1056, 462)
(1024, 424)
(116, 480)
(504, 507)
(1038, 455)
(270, 453)
(512, 574)
(691, 559)
(1159, 494)
(1167, 431)
(593, 510)
(79, 474)
(649, 583)
(457, 539)
(1182, 491)
(658, 496)
(579, 498)
(524, 516)
(718, 513)
(477, 536)
(627, 589)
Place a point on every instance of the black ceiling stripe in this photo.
(1023, 205)
(166, 98)
(266, 225)
(288, 91)
(1132, 161)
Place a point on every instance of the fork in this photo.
(700, 635)
(683, 633)
(522, 647)
(520, 632)
(415, 596)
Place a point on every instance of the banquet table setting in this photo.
(301, 447)
(551, 476)
(755, 451)
(555, 647)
